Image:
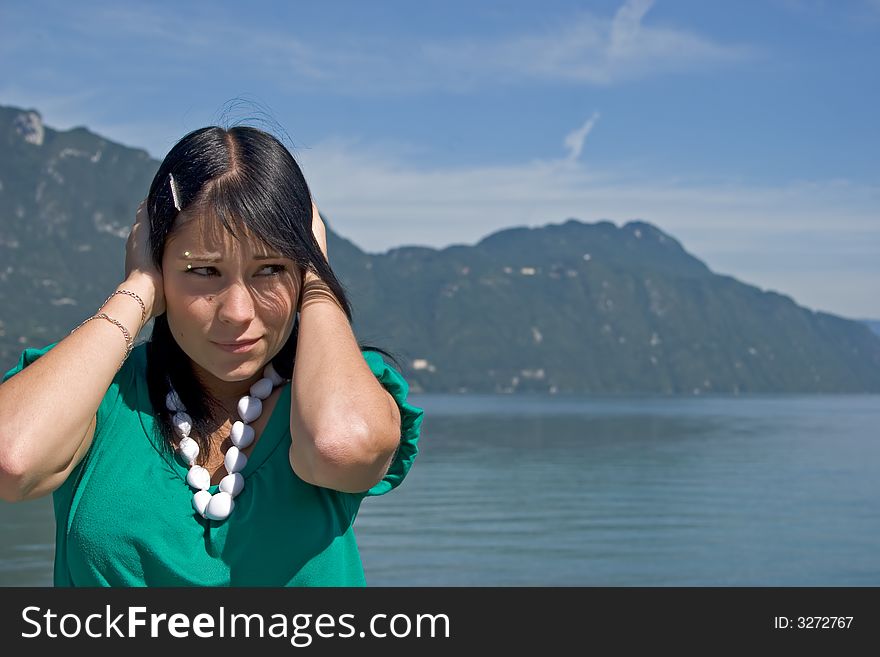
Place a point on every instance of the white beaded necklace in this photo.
(219, 505)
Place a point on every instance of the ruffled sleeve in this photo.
(410, 424)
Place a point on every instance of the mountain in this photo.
(67, 201)
(563, 308)
(873, 324)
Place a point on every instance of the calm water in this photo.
(536, 490)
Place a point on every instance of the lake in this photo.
(532, 490)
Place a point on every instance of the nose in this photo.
(235, 305)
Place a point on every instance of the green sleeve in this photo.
(410, 424)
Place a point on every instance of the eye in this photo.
(212, 271)
(277, 269)
(194, 270)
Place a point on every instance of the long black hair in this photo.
(242, 176)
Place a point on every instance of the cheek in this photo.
(187, 315)
(175, 288)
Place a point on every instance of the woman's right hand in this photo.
(139, 263)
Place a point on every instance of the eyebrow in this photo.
(216, 258)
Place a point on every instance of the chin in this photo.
(240, 373)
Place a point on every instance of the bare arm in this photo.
(47, 411)
(344, 425)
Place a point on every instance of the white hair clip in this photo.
(174, 193)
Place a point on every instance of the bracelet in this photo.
(135, 297)
(129, 343)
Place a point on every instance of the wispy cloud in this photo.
(574, 141)
(590, 49)
(577, 49)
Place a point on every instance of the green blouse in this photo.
(124, 516)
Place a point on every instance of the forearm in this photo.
(46, 408)
(344, 424)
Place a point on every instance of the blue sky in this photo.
(748, 130)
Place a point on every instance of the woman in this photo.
(235, 446)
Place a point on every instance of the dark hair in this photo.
(246, 177)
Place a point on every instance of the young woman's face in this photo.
(220, 290)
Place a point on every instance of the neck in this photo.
(227, 392)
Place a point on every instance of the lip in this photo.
(237, 347)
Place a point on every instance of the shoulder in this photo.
(388, 375)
